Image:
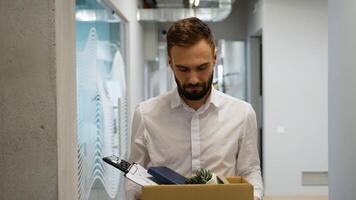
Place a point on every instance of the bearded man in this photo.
(195, 126)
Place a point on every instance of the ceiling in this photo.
(173, 10)
(183, 3)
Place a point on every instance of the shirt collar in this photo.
(175, 99)
(213, 99)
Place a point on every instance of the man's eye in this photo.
(182, 69)
(202, 68)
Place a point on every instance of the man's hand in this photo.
(256, 198)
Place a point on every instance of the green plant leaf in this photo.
(202, 177)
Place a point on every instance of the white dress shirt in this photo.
(220, 136)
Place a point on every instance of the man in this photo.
(195, 126)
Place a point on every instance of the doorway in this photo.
(255, 85)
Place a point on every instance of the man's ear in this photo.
(214, 58)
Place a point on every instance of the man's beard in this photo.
(194, 96)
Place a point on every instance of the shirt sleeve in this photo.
(138, 153)
(248, 162)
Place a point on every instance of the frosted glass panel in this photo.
(101, 101)
(230, 73)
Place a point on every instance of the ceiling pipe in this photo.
(173, 14)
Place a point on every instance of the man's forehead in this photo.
(201, 44)
(182, 53)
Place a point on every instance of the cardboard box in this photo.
(237, 189)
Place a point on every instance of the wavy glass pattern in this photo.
(101, 102)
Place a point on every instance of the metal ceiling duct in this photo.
(215, 14)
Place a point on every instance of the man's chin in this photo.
(193, 96)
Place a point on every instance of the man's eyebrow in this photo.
(181, 66)
(201, 65)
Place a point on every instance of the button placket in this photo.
(195, 142)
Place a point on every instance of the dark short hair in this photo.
(187, 32)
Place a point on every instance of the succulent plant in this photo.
(202, 177)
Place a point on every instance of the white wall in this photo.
(342, 98)
(66, 99)
(128, 10)
(295, 93)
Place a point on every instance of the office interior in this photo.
(73, 71)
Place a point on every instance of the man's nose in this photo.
(193, 78)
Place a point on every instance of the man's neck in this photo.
(197, 104)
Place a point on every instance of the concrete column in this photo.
(28, 113)
(37, 100)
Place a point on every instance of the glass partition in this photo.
(230, 72)
(101, 99)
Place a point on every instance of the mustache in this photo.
(192, 85)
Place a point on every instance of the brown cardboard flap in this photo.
(236, 179)
(238, 189)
